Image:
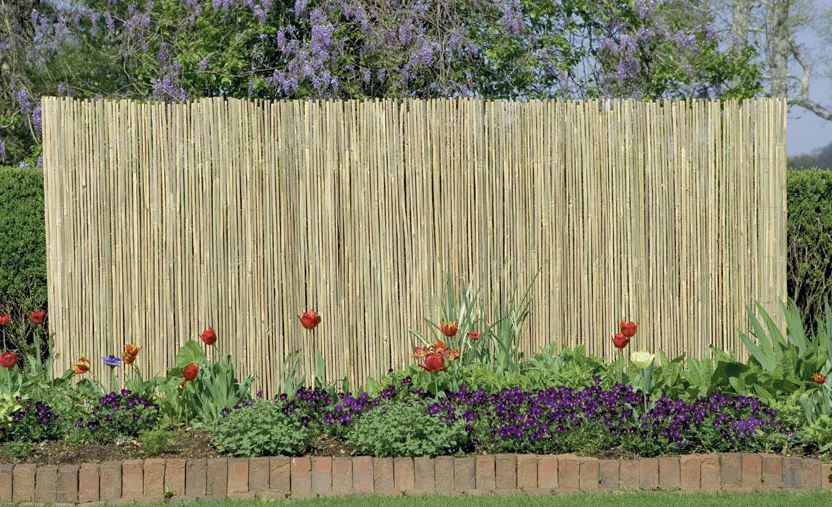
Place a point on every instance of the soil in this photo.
(189, 443)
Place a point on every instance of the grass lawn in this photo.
(624, 500)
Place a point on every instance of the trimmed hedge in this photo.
(810, 239)
(22, 240)
(23, 245)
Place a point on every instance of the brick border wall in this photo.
(303, 477)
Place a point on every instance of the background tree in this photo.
(271, 49)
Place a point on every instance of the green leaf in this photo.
(191, 352)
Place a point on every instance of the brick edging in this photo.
(302, 477)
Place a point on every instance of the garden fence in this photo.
(163, 219)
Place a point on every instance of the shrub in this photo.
(23, 247)
(399, 428)
(809, 232)
(261, 429)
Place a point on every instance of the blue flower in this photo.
(112, 361)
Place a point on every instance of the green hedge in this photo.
(23, 249)
(22, 240)
(810, 238)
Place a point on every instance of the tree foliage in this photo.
(271, 49)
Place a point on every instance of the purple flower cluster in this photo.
(548, 419)
(725, 421)
(514, 414)
(121, 413)
(34, 421)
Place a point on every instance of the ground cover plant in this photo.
(468, 390)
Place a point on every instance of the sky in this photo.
(807, 132)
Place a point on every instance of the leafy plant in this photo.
(119, 415)
(261, 429)
(406, 429)
(156, 441)
(35, 421)
(202, 401)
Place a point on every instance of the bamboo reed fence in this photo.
(163, 219)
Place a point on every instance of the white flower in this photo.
(642, 359)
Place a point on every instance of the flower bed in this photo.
(302, 477)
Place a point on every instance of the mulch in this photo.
(189, 443)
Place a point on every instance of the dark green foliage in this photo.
(810, 240)
(22, 241)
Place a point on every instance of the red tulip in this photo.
(628, 328)
(8, 359)
(474, 336)
(209, 336)
(131, 350)
(818, 377)
(189, 373)
(449, 329)
(37, 317)
(5, 319)
(434, 363)
(82, 366)
(310, 319)
(620, 340)
(439, 347)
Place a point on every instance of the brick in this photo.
(88, 482)
(280, 478)
(505, 468)
(628, 474)
(669, 474)
(301, 477)
(731, 470)
(527, 472)
(772, 473)
(196, 478)
(109, 484)
(67, 487)
(792, 473)
(46, 484)
(690, 469)
(6, 474)
(132, 480)
(154, 479)
(404, 475)
(321, 474)
(23, 480)
(569, 474)
(752, 470)
(648, 473)
(424, 469)
(590, 472)
(444, 474)
(812, 471)
(341, 475)
(608, 475)
(710, 473)
(486, 473)
(362, 475)
(175, 477)
(258, 475)
(383, 481)
(826, 476)
(547, 473)
(465, 478)
(216, 478)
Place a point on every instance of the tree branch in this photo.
(803, 100)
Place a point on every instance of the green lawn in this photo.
(624, 500)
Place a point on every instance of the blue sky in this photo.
(806, 131)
